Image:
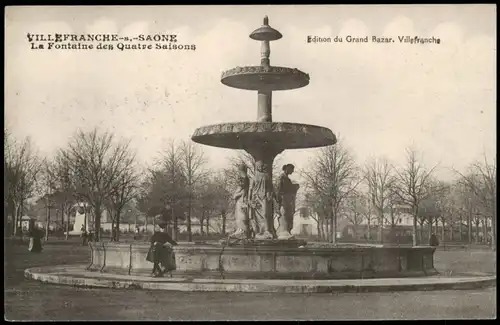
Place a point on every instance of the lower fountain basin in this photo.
(243, 135)
(271, 261)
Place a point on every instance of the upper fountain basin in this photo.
(264, 78)
(244, 135)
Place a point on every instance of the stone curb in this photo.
(54, 275)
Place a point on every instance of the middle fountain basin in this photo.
(242, 135)
(260, 261)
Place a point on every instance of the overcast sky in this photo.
(380, 98)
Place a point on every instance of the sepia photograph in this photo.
(250, 162)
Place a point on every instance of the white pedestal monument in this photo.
(80, 218)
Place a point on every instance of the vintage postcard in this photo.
(278, 162)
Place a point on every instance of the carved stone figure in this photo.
(285, 196)
(241, 204)
(261, 200)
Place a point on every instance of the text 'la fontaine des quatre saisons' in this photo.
(107, 42)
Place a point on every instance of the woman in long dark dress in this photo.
(159, 253)
(35, 240)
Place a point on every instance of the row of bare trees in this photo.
(338, 188)
(101, 170)
(179, 186)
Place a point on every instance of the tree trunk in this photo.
(223, 216)
(202, 220)
(476, 239)
(14, 219)
(460, 229)
(469, 226)
(67, 224)
(174, 230)
(326, 230)
(368, 235)
(334, 229)
(429, 224)
(484, 222)
(494, 223)
(190, 233)
(117, 232)
(415, 241)
(442, 230)
(85, 218)
(318, 229)
(380, 233)
(113, 229)
(19, 218)
(47, 223)
(208, 223)
(62, 215)
(97, 223)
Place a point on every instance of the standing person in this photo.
(35, 239)
(433, 241)
(159, 253)
(137, 233)
(83, 234)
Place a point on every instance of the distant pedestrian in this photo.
(433, 241)
(83, 235)
(35, 236)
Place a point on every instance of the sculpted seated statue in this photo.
(241, 204)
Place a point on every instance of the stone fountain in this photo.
(264, 139)
(267, 253)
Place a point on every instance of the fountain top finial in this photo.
(265, 32)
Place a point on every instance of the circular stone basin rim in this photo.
(282, 135)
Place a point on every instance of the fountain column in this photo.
(265, 99)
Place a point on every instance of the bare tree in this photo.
(367, 211)
(354, 208)
(192, 163)
(412, 185)
(123, 191)
(48, 185)
(379, 178)
(96, 162)
(481, 181)
(224, 203)
(394, 212)
(172, 184)
(333, 176)
(63, 188)
(315, 210)
(22, 168)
